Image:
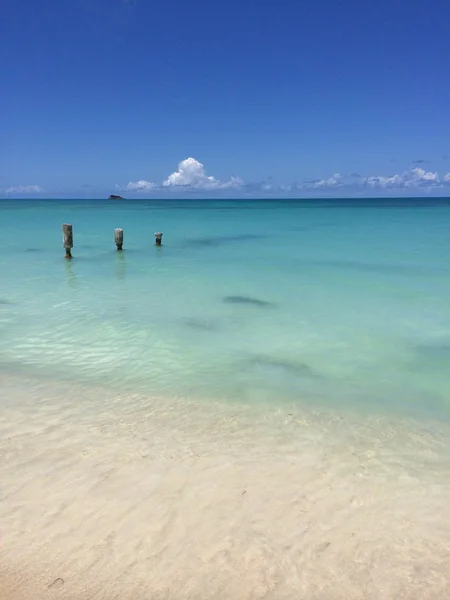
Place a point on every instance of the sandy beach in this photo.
(107, 496)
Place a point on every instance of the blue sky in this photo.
(247, 97)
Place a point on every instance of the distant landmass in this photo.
(112, 197)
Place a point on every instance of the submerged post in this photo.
(67, 239)
(118, 238)
(158, 238)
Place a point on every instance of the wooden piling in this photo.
(67, 239)
(118, 238)
(158, 238)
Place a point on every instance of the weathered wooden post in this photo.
(67, 239)
(118, 238)
(158, 238)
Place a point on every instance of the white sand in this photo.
(122, 497)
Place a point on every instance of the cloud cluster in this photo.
(415, 178)
(25, 189)
(190, 174)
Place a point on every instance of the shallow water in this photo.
(328, 304)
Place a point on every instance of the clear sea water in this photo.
(327, 303)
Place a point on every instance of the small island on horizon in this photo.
(113, 197)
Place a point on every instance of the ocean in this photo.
(259, 408)
(342, 303)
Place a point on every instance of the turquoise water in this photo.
(341, 303)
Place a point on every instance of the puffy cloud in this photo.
(191, 173)
(447, 177)
(25, 189)
(138, 186)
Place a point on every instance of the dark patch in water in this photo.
(5, 302)
(299, 369)
(388, 268)
(247, 300)
(221, 240)
(437, 355)
(33, 250)
(438, 350)
(200, 324)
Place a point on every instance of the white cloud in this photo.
(138, 186)
(191, 173)
(447, 177)
(25, 189)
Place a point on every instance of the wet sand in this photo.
(117, 496)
